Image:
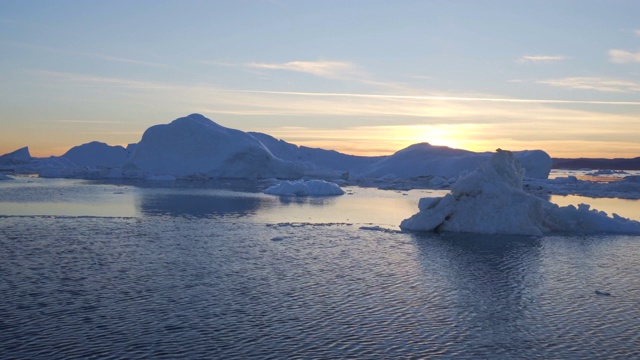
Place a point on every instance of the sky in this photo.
(363, 77)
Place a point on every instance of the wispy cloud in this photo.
(93, 80)
(541, 58)
(600, 84)
(89, 122)
(467, 98)
(326, 69)
(218, 63)
(594, 83)
(100, 56)
(623, 56)
(124, 60)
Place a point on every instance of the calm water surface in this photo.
(121, 271)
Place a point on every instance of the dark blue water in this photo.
(223, 282)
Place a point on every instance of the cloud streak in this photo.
(100, 56)
(541, 58)
(92, 80)
(456, 98)
(618, 56)
(597, 84)
(88, 122)
(326, 69)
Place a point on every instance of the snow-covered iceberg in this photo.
(194, 146)
(490, 200)
(305, 188)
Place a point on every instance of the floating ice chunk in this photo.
(305, 188)
(5, 177)
(490, 200)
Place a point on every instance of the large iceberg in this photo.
(196, 146)
(425, 159)
(490, 200)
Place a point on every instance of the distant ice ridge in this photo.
(627, 187)
(194, 147)
(305, 188)
(490, 200)
(5, 177)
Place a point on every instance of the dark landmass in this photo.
(597, 164)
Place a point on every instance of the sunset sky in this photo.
(364, 77)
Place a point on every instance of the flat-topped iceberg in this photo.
(490, 200)
(305, 188)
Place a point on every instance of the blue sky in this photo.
(367, 77)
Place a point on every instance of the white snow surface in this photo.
(97, 154)
(194, 146)
(490, 200)
(305, 188)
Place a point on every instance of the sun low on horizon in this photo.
(359, 77)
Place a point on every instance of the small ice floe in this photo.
(305, 188)
(5, 177)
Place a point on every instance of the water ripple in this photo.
(165, 287)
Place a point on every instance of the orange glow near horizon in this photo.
(386, 140)
(379, 140)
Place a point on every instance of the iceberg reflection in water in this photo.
(208, 280)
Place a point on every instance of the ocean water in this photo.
(94, 270)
